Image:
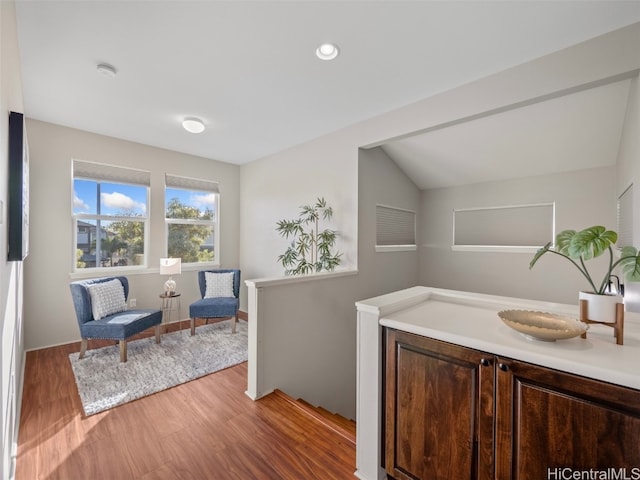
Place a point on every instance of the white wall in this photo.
(49, 314)
(11, 273)
(582, 199)
(273, 189)
(629, 174)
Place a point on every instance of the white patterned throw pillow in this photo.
(107, 298)
(218, 284)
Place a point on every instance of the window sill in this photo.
(395, 248)
(276, 281)
(495, 248)
(141, 270)
(109, 272)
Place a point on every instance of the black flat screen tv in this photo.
(18, 201)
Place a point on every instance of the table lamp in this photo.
(171, 267)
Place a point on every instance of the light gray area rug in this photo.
(104, 382)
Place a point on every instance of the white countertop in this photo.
(471, 320)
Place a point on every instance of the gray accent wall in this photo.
(305, 328)
(381, 182)
(582, 199)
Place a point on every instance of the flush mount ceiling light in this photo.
(193, 125)
(106, 70)
(327, 51)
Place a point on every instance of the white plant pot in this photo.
(601, 308)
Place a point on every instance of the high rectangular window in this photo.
(192, 219)
(395, 229)
(625, 218)
(110, 216)
(515, 227)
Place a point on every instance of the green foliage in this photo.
(310, 249)
(79, 262)
(578, 247)
(186, 239)
(129, 237)
(111, 246)
(177, 209)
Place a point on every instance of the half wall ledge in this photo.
(274, 281)
(265, 326)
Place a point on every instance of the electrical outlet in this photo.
(132, 303)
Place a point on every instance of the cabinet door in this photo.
(551, 424)
(438, 408)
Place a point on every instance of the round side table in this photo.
(167, 306)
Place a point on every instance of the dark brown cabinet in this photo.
(455, 412)
(551, 423)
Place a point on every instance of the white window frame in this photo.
(99, 176)
(502, 247)
(194, 185)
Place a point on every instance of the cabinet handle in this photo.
(504, 367)
(485, 362)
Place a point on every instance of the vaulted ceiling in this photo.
(249, 71)
(571, 132)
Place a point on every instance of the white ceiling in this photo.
(249, 70)
(572, 132)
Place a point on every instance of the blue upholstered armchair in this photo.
(101, 310)
(219, 290)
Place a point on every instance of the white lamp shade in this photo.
(170, 266)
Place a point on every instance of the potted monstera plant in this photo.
(578, 248)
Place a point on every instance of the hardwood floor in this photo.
(204, 429)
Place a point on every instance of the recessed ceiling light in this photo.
(106, 69)
(327, 51)
(193, 125)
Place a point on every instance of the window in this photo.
(517, 228)
(191, 216)
(110, 215)
(395, 229)
(625, 218)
